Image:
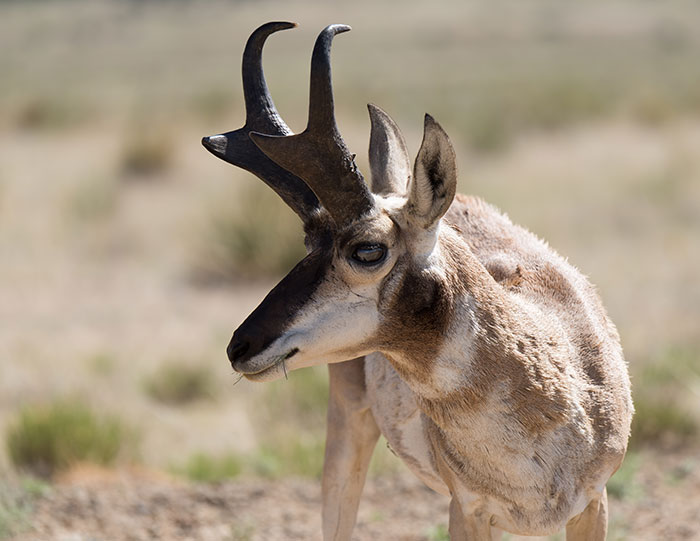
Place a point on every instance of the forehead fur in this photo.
(388, 221)
(377, 225)
(420, 242)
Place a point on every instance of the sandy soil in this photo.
(96, 288)
(93, 505)
(134, 306)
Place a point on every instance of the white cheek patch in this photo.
(332, 329)
(452, 368)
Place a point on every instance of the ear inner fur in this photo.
(434, 181)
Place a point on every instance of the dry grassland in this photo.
(128, 254)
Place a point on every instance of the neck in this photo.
(491, 348)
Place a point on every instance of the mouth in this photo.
(275, 365)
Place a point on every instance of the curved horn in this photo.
(388, 155)
(319, 154)
(261, 113)
(321, 105)
(236, 148)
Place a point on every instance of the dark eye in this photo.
(369, 254)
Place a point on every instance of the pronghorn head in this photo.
(373, 266)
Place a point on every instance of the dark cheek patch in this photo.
(416, 321)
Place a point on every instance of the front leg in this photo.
(592, 523)
(351, 435)
(470, 524)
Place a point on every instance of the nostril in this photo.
(236, 350)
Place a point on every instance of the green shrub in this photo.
(17, 498)
(297, 455)
(207, 469)
(177, 383)
(303, 397)
(300, 456)
(438, 533)
(288, 407)
(102, 364)
(292, 416)
(53, 437)
(624, 485)
(664, 397)
(658, 420)
(384, 461)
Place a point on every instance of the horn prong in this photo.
(321, 103)
(318, 154)
(261, 114)
(236, 148)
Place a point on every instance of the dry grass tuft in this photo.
(204, 468)
(254, 235)
(666, 391)
(44, 113)
(178, 383)
(51, 438)
(17, 497)
(148, 150)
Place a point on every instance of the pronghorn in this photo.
(484, 358)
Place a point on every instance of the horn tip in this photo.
(338, 28)
(375, 109)
(280, 25)
(374, 112)
(216, 144)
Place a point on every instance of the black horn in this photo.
(318, 154)
(236, 148)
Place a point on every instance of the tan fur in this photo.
(547, 361)
(485, 359)
(542, 419)
(491, 366)
(543, 362)
(501, 380)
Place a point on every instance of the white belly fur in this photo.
(402, 423)
(400, 420)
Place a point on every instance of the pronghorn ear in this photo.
(434, 176)
(388, 156)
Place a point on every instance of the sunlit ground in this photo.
(128, 254)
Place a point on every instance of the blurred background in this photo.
(128, 254)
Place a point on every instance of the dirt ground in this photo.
(660, 502)
(98, 264)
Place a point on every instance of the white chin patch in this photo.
(276, 371)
